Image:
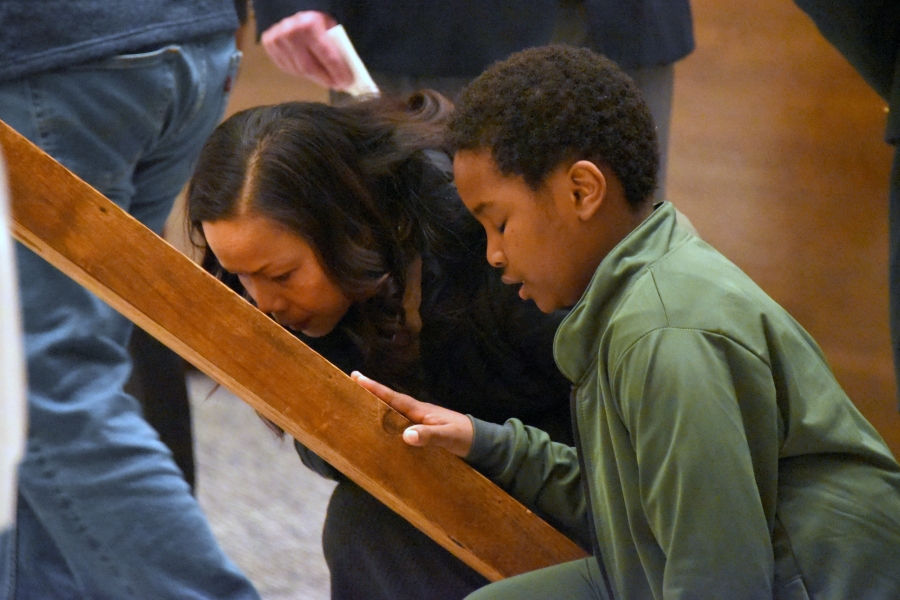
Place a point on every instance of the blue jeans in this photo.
(103, 511)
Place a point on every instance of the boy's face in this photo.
(533, 236)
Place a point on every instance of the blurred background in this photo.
(777, 157)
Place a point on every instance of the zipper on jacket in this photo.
(595, 543)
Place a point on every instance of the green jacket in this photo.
(724, 459)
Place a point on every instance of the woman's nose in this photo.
(266, 299)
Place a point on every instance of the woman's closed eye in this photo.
(283, 277)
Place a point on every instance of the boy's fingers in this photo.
(411, 436)
(446, 428)
(423, 435)
(380, 390)
(399, 402)
(445, 436)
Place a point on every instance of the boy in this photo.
(720, 457)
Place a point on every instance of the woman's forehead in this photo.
(250, 243)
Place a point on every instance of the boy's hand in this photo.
(436, 426)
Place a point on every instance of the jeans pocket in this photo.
(131, 60)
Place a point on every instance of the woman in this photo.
(343, 224)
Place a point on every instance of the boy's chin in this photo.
(544, 304)
(548, 303)
(549, 307)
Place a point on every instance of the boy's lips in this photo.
(513, 281)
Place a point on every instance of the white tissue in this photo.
(362, 81)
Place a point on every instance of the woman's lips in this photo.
(297, 326)
(292, 325)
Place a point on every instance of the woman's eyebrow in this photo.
(238, 272)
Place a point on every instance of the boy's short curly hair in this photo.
(543, 106)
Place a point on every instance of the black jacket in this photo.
(457, 38)
(483, 350)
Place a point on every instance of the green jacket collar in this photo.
(575, 344)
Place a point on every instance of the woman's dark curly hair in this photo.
(357, 183)
(544, 106)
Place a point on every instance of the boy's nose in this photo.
(495, 256)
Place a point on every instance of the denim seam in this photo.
(66, 504)
(36, 101)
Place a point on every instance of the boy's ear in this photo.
(588, 188)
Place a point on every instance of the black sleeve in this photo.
(867, 34)
(338, 349)
(317, 463)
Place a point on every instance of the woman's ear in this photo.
(588, 188)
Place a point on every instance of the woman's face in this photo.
(280, 271)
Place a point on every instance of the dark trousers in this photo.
(375, 554)
(158, 382)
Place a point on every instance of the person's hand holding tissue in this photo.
(300, 45)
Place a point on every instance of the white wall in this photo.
(12, 370)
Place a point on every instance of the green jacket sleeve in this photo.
(541, 474)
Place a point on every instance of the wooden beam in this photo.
(110, 253)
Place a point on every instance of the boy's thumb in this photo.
(412, 437)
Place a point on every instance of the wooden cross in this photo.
(92, 240)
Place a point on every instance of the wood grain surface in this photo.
(90, 239)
